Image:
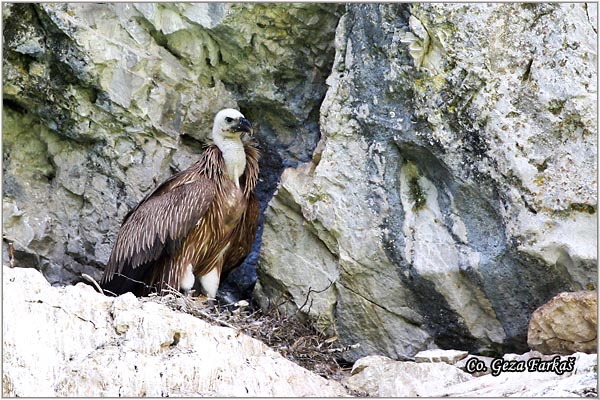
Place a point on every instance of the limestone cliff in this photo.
(454, 187)
(435, 164)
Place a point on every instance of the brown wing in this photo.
(156, 228)
(243, 236)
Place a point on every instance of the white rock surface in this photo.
(582, 382)
(72, 341)
(379, 376)
(437, 355)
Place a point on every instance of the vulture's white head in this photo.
(230, 124)
(228, 128)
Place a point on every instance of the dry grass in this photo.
(292, 336)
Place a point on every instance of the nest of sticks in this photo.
(293, 336)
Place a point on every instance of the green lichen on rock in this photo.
(584, 208)
(555, 106)
(25, 153)
(415, 190)
(417, 194)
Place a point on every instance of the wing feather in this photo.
(159, 223)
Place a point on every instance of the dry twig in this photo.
(93, 282)
(11, 255)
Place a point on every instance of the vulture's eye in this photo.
(228, 119)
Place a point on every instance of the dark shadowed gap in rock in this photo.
(439, 319)
(286, 137)
(22, 259)
(240, 282)
(14, 105)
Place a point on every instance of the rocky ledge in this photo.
(73, 341)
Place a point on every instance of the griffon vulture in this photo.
(199, 223)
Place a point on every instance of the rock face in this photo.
(566, 324)
(104, 101)
(454, 187)
(440, 159)
(376, 376)
(73, 341)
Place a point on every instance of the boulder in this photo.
(74, 342)
(453, 190)
(566, 324)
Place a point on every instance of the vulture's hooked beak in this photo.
(244, 126)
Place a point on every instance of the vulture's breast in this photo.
(233, 204)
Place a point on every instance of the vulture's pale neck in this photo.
(233, 155)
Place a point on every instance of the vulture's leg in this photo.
(187, 280)
(210, 282)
